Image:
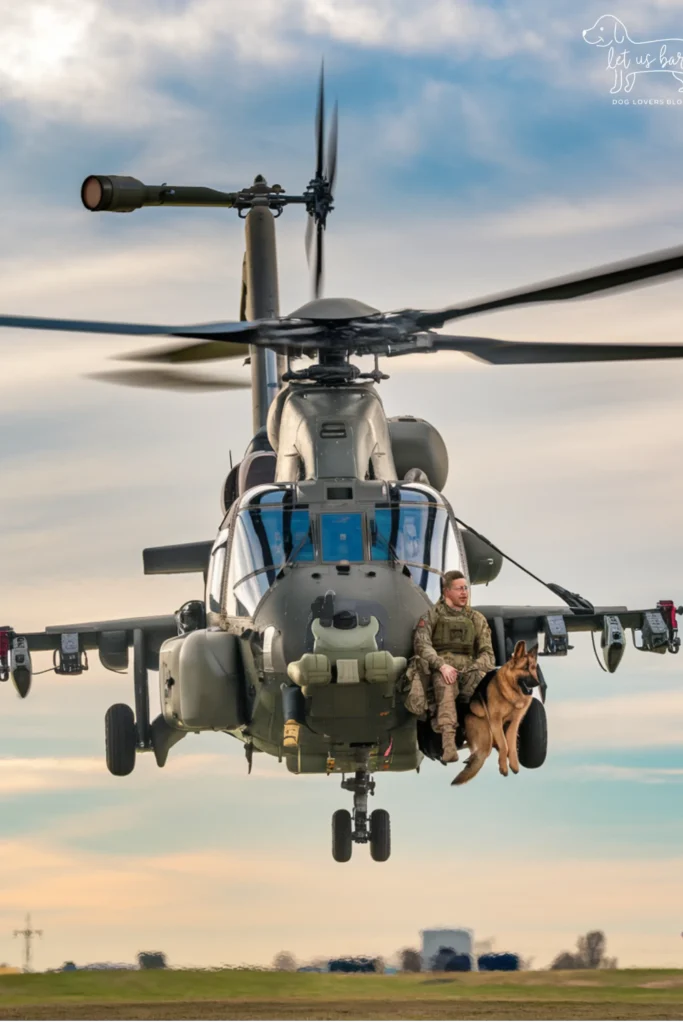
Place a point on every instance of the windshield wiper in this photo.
(292, 558)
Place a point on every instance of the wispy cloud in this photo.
(650, 719)
(626, 773)
(22, 775)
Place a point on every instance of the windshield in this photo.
(341, 535)
(410, 534)
(267, 537)
(418, 534)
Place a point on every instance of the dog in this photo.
(644, 57)
(493, 716)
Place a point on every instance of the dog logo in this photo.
(628, 58)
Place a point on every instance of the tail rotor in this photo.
(319, 194)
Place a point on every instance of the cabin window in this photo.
(341, 536)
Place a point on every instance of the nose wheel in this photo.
(358, 827)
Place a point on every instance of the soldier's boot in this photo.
(450, 751)
(291, 734)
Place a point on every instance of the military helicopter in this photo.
(335, 533)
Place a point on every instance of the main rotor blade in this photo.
(502, 353)
(214, 331)
(612, 276)
(320, 123)
(168, 380)
(188, 353)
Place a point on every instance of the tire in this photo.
(120, 739)
(532, 744)
(342, 836)
(380, 835)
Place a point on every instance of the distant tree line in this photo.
(589, 955)
(151, 961)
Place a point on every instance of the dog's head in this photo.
(524, 665)
(606, 31)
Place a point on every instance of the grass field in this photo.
(257, 995)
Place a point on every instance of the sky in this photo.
(480, 149)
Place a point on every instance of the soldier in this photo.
(453, 643)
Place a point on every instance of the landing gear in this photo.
(126, 731)
(532, 742)
(121, 739)
(347, 830)
(342, 836)
(380, 835)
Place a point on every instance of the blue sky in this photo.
(479, 149)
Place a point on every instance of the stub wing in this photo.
(653, 630)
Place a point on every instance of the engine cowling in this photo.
(416, 444)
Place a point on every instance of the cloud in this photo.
(650, 719)
(626, 773)
(84, 901)
(22, 775)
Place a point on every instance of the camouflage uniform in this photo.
(449, 636)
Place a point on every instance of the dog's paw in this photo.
(503, 769)
(514, 768)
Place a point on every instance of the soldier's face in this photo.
(457, 594)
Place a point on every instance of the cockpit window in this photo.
(416, 531)
(412, 534)
(266, 538)
(342, 536)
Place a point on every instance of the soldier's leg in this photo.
(468, 681)
(446, 718)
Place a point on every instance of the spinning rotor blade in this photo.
(502, 353)
(189, 353)
(168, 380)
(320, 124)
(212, 331)
(321, 187)
(612, 276)
(332, 140)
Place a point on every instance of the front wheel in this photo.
(380, 835)
(532, 742)
(342, 836)
(120, 739)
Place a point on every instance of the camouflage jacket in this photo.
(475, 654)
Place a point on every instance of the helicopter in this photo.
(335, 533)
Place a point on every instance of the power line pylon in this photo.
(28, 933)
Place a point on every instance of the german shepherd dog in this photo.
(498, 705)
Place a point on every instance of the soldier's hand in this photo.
(449, 674)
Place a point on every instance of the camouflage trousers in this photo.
(430, 696)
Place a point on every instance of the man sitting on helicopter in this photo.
(453, 653)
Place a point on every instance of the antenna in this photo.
(28, 932)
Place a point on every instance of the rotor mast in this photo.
(263, 302)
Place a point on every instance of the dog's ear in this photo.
(619, 30)
(519, 651)
(533, 655)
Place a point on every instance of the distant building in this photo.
(460, 940)
(6, 969)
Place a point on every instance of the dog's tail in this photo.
(473, 766)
